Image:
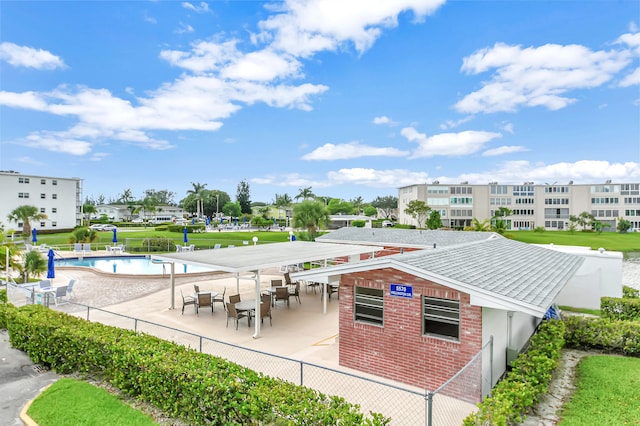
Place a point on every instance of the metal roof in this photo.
(414, 238)
(506, 273)
(256, 257)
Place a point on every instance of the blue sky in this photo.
(353, 99)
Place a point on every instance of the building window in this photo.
(42, 210)
(43, 181)
(441, 317)
(368, 305)
(54, 210)
(499, 189)
(54, 196)
(23, 195)
(42, 224)
(23, 180)
(54, 182)
(630, 189)
(43, 195)
(604, 200)
(54, 224)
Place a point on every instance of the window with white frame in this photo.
(368, 305)
(54, 224)
(54, 196)
(441, 317)
(54, 182)
(54, 210)
(42, 224)
(43, 181)
(43, 210)
(43, 195)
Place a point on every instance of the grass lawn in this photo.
(612, 241)
(608, 393)
(70, 402)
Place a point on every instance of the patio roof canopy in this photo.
(251, 258)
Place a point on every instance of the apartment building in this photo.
(59, 198)
(532, 205)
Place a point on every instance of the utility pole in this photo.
(217, 201)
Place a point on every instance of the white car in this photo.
(108, 227)
(387, 223)
(96, 227)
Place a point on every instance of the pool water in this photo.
(131, 265)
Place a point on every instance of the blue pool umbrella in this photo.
(51, 273)
(236, 220)
(221, 220)
(115, 236)
(193, 220)
(185, 239)
(208, 220)
(34, 235)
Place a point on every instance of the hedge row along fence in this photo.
(529, 379)
(604, 334)
(183, 383)
(620, 309)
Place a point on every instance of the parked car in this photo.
(108, 227)
(138, 220)
(387, 223)
(96, 226)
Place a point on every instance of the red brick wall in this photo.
(398, 350)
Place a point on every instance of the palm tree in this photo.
(305, 193)
(24, 214)
(281, 201)
(478, 226)
(310, 215)
(197, 192)
(126, 196)
(34, 263)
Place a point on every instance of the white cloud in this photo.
(507, 127)
(303, 27)
(201, 8)
(351, 150)
(391, 178)
(537, 76)
(24, 56)
(451, 124)
(184, 29)
(383, 119)
(502, 150)
(447, 144)
(264, 65)
(632, 79)
(203, 56)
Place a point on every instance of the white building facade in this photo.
(59, 198)
(548, 205)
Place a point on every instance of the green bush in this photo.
(190, 228)
(624, 309)
(630, 292)
(529, 379)
(358, 223)
(602, 333)
(3, 295)
(160, 244)
(183, 383)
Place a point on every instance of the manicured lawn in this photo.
(608, 393)
(70, 402)
(612, 241)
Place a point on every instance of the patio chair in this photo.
(234, 298)
(265, 308)
(204, 299)
(282, 294)
(296, 292)
(70, 285)
(196, 288)
(217, 246)
(311, 284)
(188, 300)
(233, 313)
(60, 294)
(45, 284)
(220, 299)
(77, 247)
(276, 283)
(86, 247)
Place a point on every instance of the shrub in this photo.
(539, 229)
(625, 309)
(358, 223)
(601, 333)
(630, 292)
(3, 295)
(183, 383)
(529, 379)
(158, 244)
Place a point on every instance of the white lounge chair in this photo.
(77, 247)
(86, 247)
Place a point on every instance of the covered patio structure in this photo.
(246, 262)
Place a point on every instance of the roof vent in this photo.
(434, 245)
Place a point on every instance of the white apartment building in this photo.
(59, 198)
(121, 212)
(543, 205)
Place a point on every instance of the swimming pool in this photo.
(134, 265)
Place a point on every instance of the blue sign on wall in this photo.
(401, 290)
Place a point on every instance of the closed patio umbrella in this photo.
(115, 236)
(51, 273)
(185, 239)
(34, 235)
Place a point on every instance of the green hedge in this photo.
(190, 228)
(602, 333)
(529, 379)
(630, 292)
(183, 383)
(620, 309)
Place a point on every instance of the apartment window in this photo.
(42, 210)
(461, 213)
(630, 189)
(500, 201)
(605, 213)
(464, 190)
(54, 196)
(523, 212)
(54, 224)
(632, 212)
(556, 213)
(443, 213)
(499, 189)
(437, 202)
(43, 195)
(23, 180)
(523, 190)
(556, 189)
(524, 201)
(632, 200)
(54, 210)
(604, 188)
(437, 190)
(368, 305)
(441, 317)
(556, 201)
(54, 182)
(604, 200)
(42, 224)
(43, 181)
(23, 195)
(461, 201)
